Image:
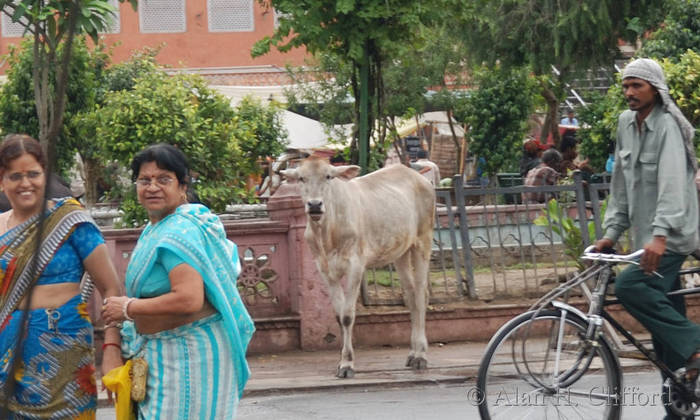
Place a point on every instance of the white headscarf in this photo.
(649, 70)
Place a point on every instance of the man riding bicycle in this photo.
(653, 193)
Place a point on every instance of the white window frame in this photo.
(210, 10)
(10, 29)
(178, 4)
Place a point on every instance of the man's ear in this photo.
(290, 174)
(346, 172)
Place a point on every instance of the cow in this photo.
(370, 221)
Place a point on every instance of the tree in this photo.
(364, 33)
(53, 24)
(414, 78)
(17, 100)
(601, 117)
(571, 35)
(679, 32)
(496, 113)
(221, 143)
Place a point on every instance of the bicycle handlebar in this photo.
(600, 256)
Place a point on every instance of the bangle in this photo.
(125, 309)
(105, 345)
(113, 325)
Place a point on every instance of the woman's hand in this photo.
(113, 309)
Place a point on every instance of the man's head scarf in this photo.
(649, 70)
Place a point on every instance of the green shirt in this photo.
(653, 187)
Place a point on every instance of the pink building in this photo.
(211, 37)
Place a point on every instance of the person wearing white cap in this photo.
(653, 194)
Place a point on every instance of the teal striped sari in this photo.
(198, 370)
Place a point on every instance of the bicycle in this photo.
(555, 361)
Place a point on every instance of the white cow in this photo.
(354, 224)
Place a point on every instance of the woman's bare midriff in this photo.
(51, 296)
(151, 324)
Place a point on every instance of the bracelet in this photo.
(125, 309)
(113, 325)
(105, 345)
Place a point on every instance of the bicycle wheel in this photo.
(542, 368)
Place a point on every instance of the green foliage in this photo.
(53, 25)
(599, 120)
(683, 79)
(599, 125)
(222, 144)
(679, 32)
(496, 114)
(18, 112)
(555, 216)
(568, 34)
(351, 34)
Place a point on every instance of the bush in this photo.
(497, 114)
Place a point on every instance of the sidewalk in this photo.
(306, 371)
(301, 371)
(311, 371)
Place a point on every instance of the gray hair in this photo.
(551, 157)
(649, 70)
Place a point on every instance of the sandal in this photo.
(692, 368)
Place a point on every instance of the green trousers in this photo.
(675, 338)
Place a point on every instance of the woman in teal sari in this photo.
(46, 338)
(182, 313)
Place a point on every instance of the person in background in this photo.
(54, 375)
(182, 312)
(429, 169)
(546, 173)
(610, 163)
(569, 155)
(532, 152)
(653, 194)
(569, 119)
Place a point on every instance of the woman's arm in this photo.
(186, 297)
(100, 267)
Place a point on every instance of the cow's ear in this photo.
(346, 171)
(290, 174)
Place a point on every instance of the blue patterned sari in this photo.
(198, 370)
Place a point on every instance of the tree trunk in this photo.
(92, 173)
(550, 122)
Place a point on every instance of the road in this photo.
(445, 402)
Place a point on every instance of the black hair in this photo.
(166, 156)
(422, 154)
(15, 145)
(568, 141)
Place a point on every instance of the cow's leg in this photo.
(407, 276)
(417, 302)
(346, 318)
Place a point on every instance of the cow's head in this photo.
(314, 176)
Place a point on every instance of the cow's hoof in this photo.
(417, 363)
(345, 372)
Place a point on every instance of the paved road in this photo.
(445, 402)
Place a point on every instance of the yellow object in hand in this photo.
(118, 380)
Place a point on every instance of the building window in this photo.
(230, 15)
(162, 16)
(113, 23)
(12, 29)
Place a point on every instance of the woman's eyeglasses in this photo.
(161, 181)
(19, 176)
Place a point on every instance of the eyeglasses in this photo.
(19, 176)
(161, 181)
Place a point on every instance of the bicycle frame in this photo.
(602, 271)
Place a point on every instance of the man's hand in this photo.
(603, 244)
(652, 254)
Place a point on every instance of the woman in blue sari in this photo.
(46, 338)
(182, 313)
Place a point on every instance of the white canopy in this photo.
(303, 132)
